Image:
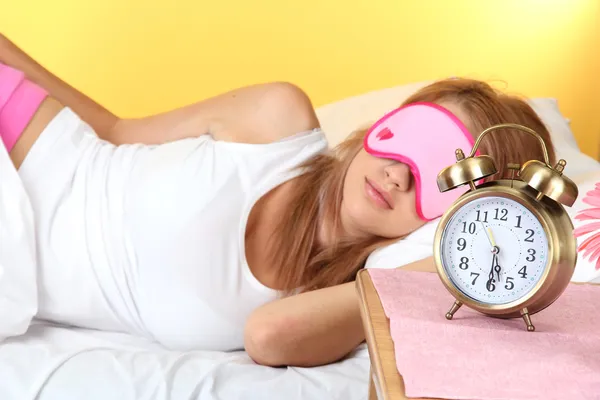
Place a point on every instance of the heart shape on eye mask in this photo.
(385, 134)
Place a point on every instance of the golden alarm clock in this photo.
(506, 247)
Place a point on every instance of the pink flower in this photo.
(590, 247)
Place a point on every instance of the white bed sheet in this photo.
(57, 363)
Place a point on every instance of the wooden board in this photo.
(379, 341)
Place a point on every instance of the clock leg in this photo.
(527, 319)
(457, 304)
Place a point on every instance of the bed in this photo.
(54, 362)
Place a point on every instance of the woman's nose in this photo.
(397, 176)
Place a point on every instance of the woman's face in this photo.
(379, 194)
(379, 198)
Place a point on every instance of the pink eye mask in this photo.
(423, 136)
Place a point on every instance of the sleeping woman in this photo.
(223, 225)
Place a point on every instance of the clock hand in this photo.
(491, 275)
(495, 251)
(498, 269)
(489, 234)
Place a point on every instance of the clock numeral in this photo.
(523, 272)
(510, 285)
(464, 263)
(471, 228)
(503, 214)
(529, 238)
(490, 285)
(485, 214)
(531, 256)
(462, 244)
(518, 222)
(474, 279)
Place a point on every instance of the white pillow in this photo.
(563, 139)
(340, 119)
(416, 246)
(560, 129)
(18, 285)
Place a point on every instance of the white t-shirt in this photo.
(150, 239)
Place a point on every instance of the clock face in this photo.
(494, 250)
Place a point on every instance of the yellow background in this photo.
(142, 56)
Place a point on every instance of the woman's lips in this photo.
(378, 196)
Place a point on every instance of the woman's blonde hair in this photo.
(301, 263)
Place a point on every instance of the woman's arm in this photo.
(98, 117)
(311, 328)
(255, 114)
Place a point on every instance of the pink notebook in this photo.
(478, 357)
